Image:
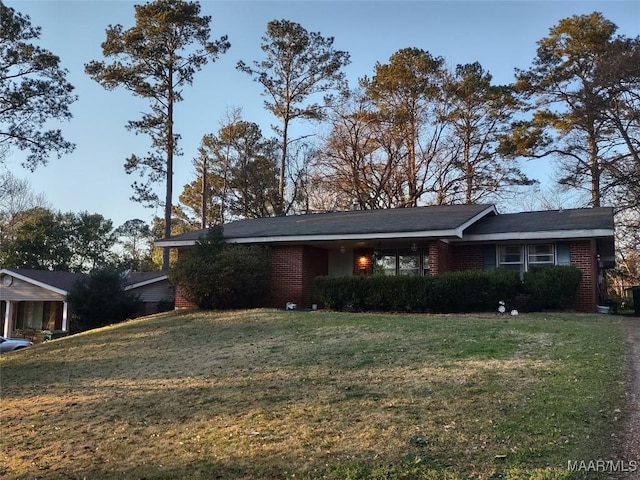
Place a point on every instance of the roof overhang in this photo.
(321, 238)
(456, 233)
(146, 282)
(46, 286)
(540, 235)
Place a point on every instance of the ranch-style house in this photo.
(423, 241)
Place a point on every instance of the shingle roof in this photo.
(139, 279)
(546, 221)
(64, 280)
(59, 280)
(445, 218)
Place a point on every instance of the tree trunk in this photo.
(169, 194)
(413, 174)
(279, 208)
(205, 172)
(468, 173)
(595, 173)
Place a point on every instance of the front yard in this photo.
(272, 394)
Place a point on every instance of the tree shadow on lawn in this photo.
(241, 407)
(103, 430)
(264, 421)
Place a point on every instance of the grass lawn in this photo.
(270, 394)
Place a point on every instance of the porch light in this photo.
(362, 261)
(342, 249)
(414, 247)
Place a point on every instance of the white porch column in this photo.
(65, 312)
(8, 315)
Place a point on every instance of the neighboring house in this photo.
(423, 241)
(36, 300)
(154, 290)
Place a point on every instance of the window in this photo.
(30, 315)
(408, 263)
(426, 268)
(385, 263)
(401, 262)
(511, 257)
(540, 255)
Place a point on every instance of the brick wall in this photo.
(363, 262)
(467, 257)
(286, 280)
(316, 264)
(180, 301)
(583, 256)
(438, 257)
(294, 269)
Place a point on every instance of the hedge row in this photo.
(552, 287)
(451, 292)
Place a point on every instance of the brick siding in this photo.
(583, 256)
(438, 257)
(363, 262)
(467, 257)
(316, 264)
(294, 269)
(287, 268)
(180, 301)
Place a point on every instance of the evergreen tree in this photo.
(34, 90)
(154, 60)
(573, 101)
(298, 66)
(479, 115)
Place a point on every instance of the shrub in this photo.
(473, 290)
(214, 274)
(242, 279)
(467, 291)
(99, 299)
(552, 287)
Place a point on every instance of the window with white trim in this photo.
(426, 266)
(541, 254)
(511, 257)
(521, 257)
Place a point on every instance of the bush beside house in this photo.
(100, 299)
(452, 292)
(214, 274)
(552, 287)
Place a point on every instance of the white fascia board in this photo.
(37, 283)
(175, 243)
(542, 235)
(146, 282)
(460, 230)
(351, 236)
(320, 238)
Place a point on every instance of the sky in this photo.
(501, 35)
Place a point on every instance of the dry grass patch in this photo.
(266, 394)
